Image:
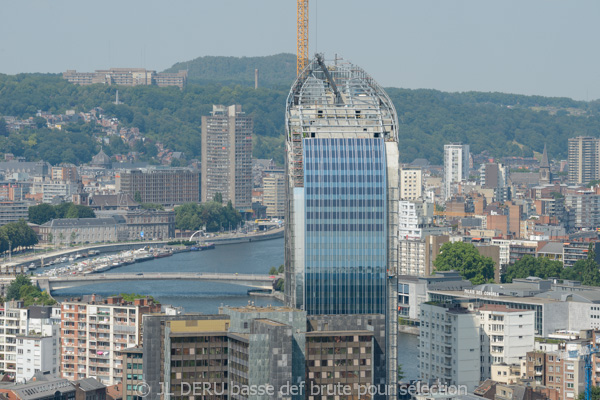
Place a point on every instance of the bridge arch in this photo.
(194, 234)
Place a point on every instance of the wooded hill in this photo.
(502, 124)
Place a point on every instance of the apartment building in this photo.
(227, 156)
(415, 220)
(562, 371)
(95, 332)
(274, 193)
(416, 256)
(507, 334)
(583, 160)
(449, 351)
(166, 186)
(50, 190)
(345, 350)
(133, 373)
(37, 353)
(449, 345)
(584, 209)
(13, 211)
(245, 347)
(411, 183)
(28, 340)
(127, 77)
(65, 173)
(456, 167)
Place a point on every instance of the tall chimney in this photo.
(256, 78)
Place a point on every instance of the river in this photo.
(206, 297)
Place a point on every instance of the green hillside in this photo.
(276, 70)
(502, 124)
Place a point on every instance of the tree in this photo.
(17, 234)
(3, 128)
(79, 211)
(465, 259)
(40, 122)
(41, 214)
(152, 206)
(595, 393)
(218, 198)
(400, 373)
(14, 289)
(281, 269)
(531, 266)
(586, 271)
(273, 271)
(137, 196)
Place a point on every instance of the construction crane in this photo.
(587, 353)
(301, 36)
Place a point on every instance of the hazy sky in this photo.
(545, 47)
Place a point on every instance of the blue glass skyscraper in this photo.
(342, 196)
(345, 226)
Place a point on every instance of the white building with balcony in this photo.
(449, 348)
(506, 335)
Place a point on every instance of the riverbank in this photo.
(24, 263)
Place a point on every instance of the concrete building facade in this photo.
(411, 183)
(227, 156)
(171, 186)
(95, 333)
(456, 167)
(274, 193)
(583, 160)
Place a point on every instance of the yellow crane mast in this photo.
(302, 36)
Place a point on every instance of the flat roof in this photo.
(339, 333)
(263, 309)
(528, 300)
(199, 325)
(500, 308)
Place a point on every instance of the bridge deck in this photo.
(63, 282)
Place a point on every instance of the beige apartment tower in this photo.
(227, 156)
(411, 183)
(584, 160)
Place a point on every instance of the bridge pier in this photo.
(44, 284)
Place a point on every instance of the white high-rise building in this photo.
(456, 167)
(507, 334)
(36, 323)
(459, 344)
(38, 353)
(449, 345)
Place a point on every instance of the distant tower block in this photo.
(256, 78)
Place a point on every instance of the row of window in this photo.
(338, 177)
(345, 227)
(344, 215)
(353, 190)
(321, 202)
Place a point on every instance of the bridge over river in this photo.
(64, 282)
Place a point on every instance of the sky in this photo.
(533, 47)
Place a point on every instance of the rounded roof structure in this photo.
(340, 99)
(101, 160)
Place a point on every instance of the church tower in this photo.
(545, 174)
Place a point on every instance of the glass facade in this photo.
(345, 187)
